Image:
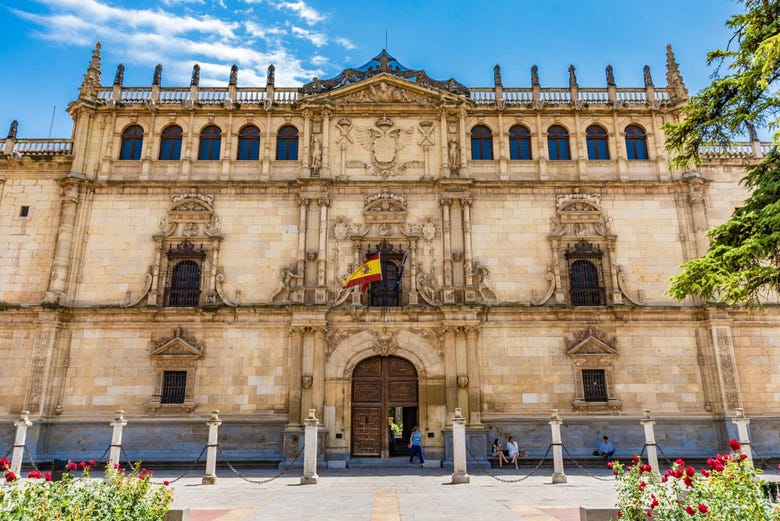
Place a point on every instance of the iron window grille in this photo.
(594, 383)
(174, 387)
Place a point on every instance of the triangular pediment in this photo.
(385, 88)
(591, 345)
(383, 80)
(178, 347)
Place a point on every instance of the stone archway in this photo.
(382, 385)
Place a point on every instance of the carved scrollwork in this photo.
(550, 289)
(639, 299)
(129, 302)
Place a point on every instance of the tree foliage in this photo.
(742, 264)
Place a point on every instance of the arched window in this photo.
(287, 143)
(184, 290)
(584, 282)
(481, 143)
(596, 138)
(636, 143)
(519, 143)
(558, 143)
(210, 141)
(132, 141)
(170, 143)
(249, 143)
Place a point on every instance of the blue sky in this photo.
(47, 43)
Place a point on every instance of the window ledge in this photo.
(610, 405)
(155, 407)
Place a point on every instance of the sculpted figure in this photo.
(316, 156)
(270, 77)
(454, 154)
(426, 286)
(233, 75)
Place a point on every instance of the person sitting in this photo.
(514, 452)
(499, 453)
(606, 450)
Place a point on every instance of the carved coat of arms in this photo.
(384, 142)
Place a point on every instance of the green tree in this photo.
(742, 265)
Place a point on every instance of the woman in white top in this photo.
(514, 452)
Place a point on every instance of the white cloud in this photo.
(318, 39)
(308, 14)
(344, 43)
(177, 40)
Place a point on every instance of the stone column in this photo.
(464, 163)
(652, 453)
(459, 474)
(318, 372)
(447, 292)
(475, 380)
(310, 476)
(321, 295)
(698, 214)
(211, 453)
(467, 255)
(116, 438)
(303, 211)
(742, 432)
(61, 264)
(305, 138)
(555, 426)
(445, 162)
(294, 385)
(450, 369)
(21, 438)
(325, 163)
(413, 297)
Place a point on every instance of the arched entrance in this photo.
(383, 387)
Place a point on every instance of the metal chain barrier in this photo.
(8, 451)
(764, 463)
(104, 453)
(29, 456)
(668, 461)
(586, 471)
(260, 481)
(504, 480)
(172, 480)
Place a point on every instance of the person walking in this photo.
(415, 444)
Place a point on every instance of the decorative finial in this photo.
(572, 76)
(120, 75)
(94, 63)
(157, 75)
(497, 76)
(610, 76)
(673, 77)
(648, 78)
(233, 75)
(91, 83)
(270, 78)
(195, 75)
(12, 130)
(535, 76)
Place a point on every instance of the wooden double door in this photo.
(384, 406)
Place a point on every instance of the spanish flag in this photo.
(369, 271)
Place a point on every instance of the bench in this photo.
(494, 459)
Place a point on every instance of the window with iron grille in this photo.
(594, 384)
(184, 290)
(173, 387)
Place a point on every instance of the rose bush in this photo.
(122, 496)
(728, 490)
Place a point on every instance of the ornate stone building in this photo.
(186, 251)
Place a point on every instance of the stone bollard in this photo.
(211, 453)
(310, 476)
(742, 432)
(459, 474)
(118, 424)
(555, 425)
(21, 437)
(652, 452)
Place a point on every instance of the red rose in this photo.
(166, 482)
(34, 474)
(647, 468)
(691, 511)
(82, 464)
(642, 486)
(705, 473)
(71, 466)
(92, 463)
(718, 467)
(680, 462)
(735, 446)
(635, 459)
(10, 476)
(664, 479)
(5, 464)
(620, 514)
(688, 482)
(703, 508)
(610, 464)
(743, 456)
(47, 476)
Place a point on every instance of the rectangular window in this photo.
(24, 211)
(595, 385)
(519, 149)
(174, 384)
(170, 149)
(248, 149)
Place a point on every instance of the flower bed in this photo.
(729, 490)
(122, 496)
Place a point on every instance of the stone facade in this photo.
(491, 256)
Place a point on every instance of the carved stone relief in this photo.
(384, 142)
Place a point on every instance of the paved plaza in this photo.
(393, 494)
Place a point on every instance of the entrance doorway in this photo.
(384, 407)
